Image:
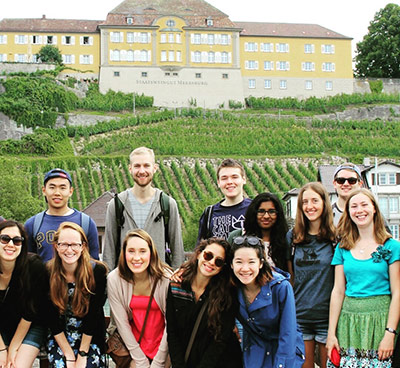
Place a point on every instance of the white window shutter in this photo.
(16, 39)
(323, 67)
(333, 67)
(217, 39)
(256, 65)
(91, 41)
(192, 55)
(148, 37)
(204, 56)
(55, 40)
(246, 64)
(272, 65)
(4, 57)
(287, 65)
(149, 55)
(80, 59)
(313, 48)
(192, 39)
(63, 58)
(81, 40)
(15, 57)
(277, 47)
(229, 39)
(229, 57)
(137, 55)
(204, 39)
(26, 39)
(303, 66)
(123, 55)
(313, 67)
(73, 59)
(261, 46)
(323, 49)
(256, 46)
(121, 36)
(136, 37)
(277, 66)
(287, 47)
(30, 39)
(111, 55)
(62, 40)
(246, 46)
(333, 49)
(218, 57)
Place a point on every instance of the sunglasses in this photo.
(272, 213)
(208, 256)
(249, 240)
(351, 181)
(64, 246)
(17, 240)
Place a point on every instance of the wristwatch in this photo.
(83, 353)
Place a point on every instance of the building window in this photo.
(382, 179)
(268, 65)
(115, 55)
(116, 36)
(144, 55)
(210, 39)
(282, 47)
(224, 39)
(308, 48)
(267, 84)
(328, 85)
(35, 58)
(251, 64)
(167, 74)
(129, 37)
(3, 40)
(129, 20)
(85, 59)
(116, 74)
(170, 23)
(282, 65)
(21, 40)
(179, 56)
(144, 37)
(328, 67)
(3, 57)
(174, 74)
(67, 59)
(144, 74)
(170, 37)
(178, 38)
(252, 83)
(267, 47)
(130, 55)
(197, 57)
(197, 39)
(36, 40)
(50, 40)
(251, 46)
(209, 22)
(308, 66)
(394, 204)
(387, 178)
(211, 57)
(395, 231)
(328, 49)
(171, 56)
(163, 38)
(198, 75)
(225, 76)
(392, 178)
(283, 84)
(309, 85)
(85, 40)
(224, 57)
(20, 58)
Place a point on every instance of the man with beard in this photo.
(142, 208)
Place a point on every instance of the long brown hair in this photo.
(84, 277)
(348, 230)
(220, 286)
(156, 268)
(327, 229)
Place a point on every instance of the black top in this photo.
(93, 323)
(26, 302)
(182, 311)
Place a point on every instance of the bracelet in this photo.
(70, 360)
(3, 350)
(391, 330)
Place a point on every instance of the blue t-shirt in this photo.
(367, 277)
(45, 235)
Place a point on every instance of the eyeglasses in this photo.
(208, 256)
(17, 240)
(272, 213)
(64, 246)
(249, 240)
(351, 181)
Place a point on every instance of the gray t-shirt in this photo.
(337, 214)
(313, 280)
(140, 210)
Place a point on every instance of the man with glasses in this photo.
(346, 179)
(57, 190)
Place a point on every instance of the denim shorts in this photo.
(36, 336)
(317, 331)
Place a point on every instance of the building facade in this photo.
(188, 53)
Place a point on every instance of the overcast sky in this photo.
(348, 17)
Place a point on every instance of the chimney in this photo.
(367, 161)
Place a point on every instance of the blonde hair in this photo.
(84, 277)
(142, 151)
(348, 230)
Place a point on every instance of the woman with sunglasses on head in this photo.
(201, 311)
(76, 299)
(265, 219)
(22, 291)
(365, 301)
(312, 241)
(267, 308)
(140, 284)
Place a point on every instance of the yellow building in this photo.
(186, 52)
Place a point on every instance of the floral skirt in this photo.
(360, 329)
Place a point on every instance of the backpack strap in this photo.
(85, 223)
(206, 226)
(164, 204)
(119, 218)
(37, 222)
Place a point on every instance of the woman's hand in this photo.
(81, 362)
(3, 358)
(385, 349)
(70, 363)
(332, 342)
(12, 355)
(177, 275)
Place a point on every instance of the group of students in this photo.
(253, 293)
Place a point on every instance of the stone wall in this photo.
(24, 67)
(389, 85)
(10, 130)
(82, 119)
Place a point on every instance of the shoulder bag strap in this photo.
(194, 331)
(148, 310)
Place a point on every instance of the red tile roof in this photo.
(145, 12)
(287, 30)
(49, 25)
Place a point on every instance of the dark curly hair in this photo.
(220, 286)
(278, 244)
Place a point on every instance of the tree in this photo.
(50, 54)
(378, 54)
